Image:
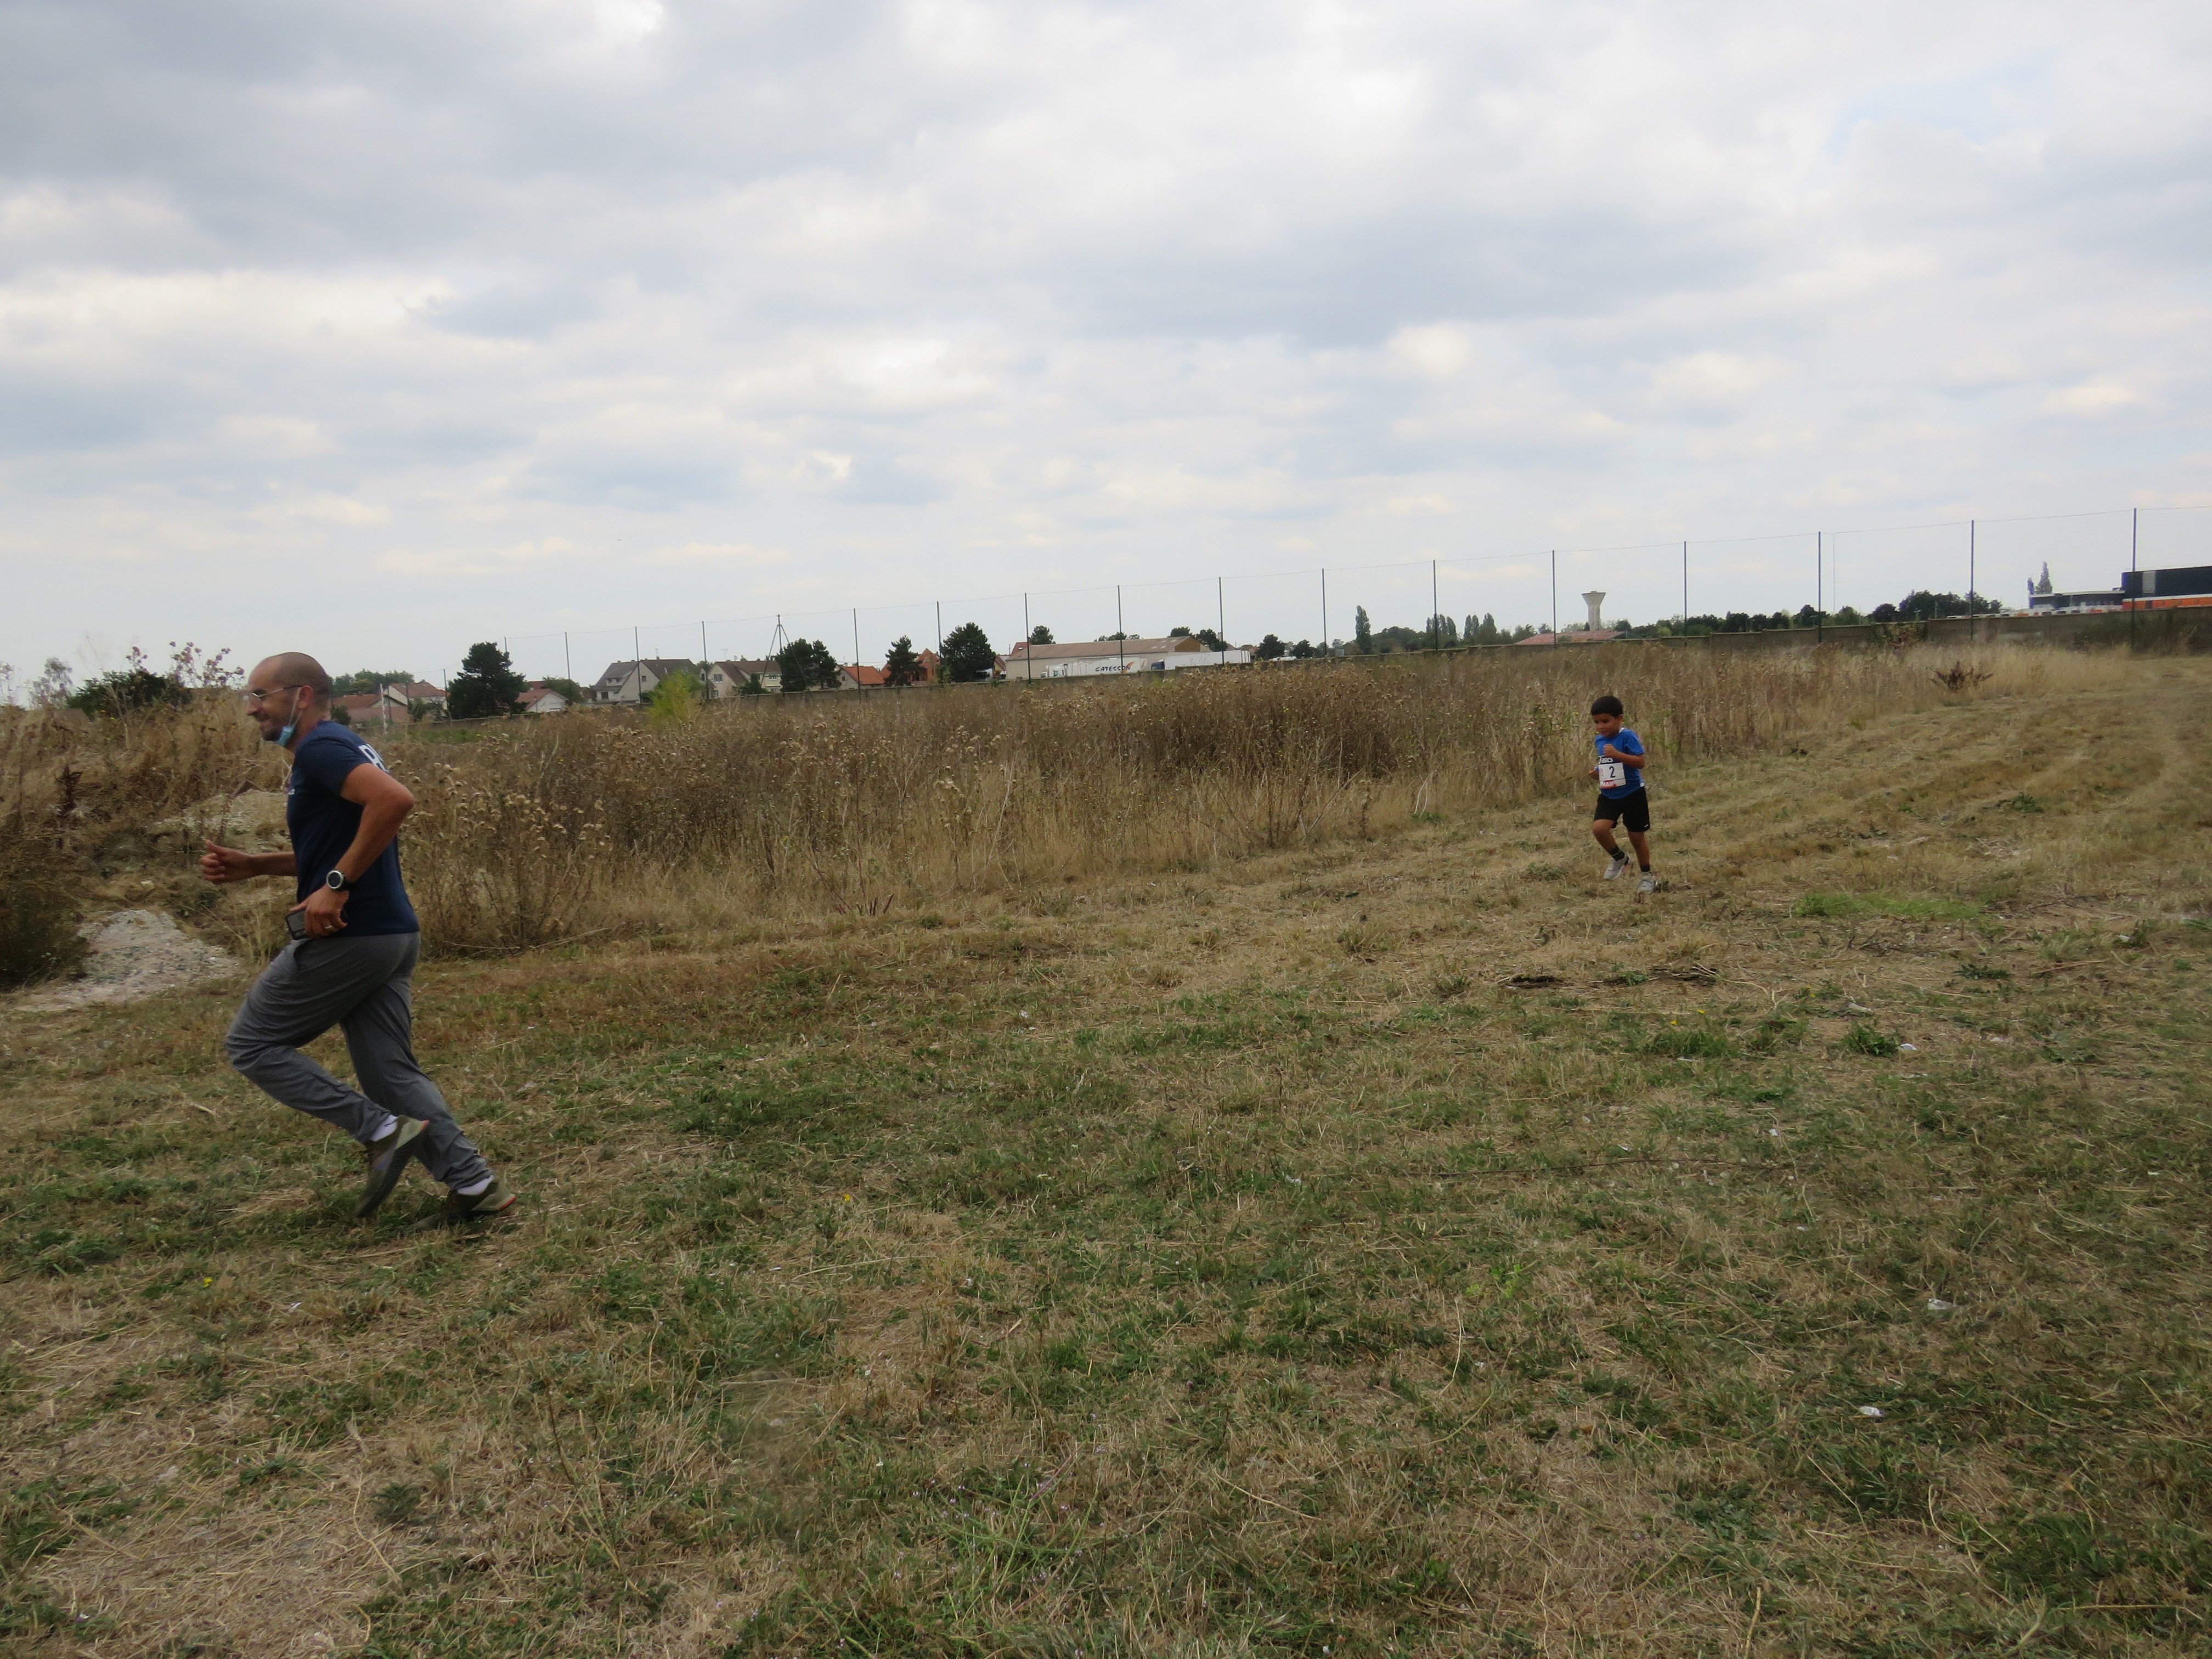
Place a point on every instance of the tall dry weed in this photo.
(69, 784)
(863, 801)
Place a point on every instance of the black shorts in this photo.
(1633, 811)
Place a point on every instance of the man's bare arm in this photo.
(221, 864)
(385, 803)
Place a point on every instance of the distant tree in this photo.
(367, 680)
(1178, 633)
(1847, 618)
(1363, 631)
(1041, 636)
(51, 688)
(903, 667)
(1920, 606)
(568, 688)
(967, 655)
(1269, 649)
(486, 686)
(805, 665)
(752, 687)
(1443, 631)
(1305, 648)
(2041, 585)
(678, 698)
(1212, 640)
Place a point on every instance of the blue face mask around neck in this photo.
(283, 740)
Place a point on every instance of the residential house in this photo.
(542, 699)
(1089, 657)
(386, 706)
(423, 691)
(727, 680)
(634, 682)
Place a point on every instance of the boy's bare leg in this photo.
(1602, 829)
(1642, 845)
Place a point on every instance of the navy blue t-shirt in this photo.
(1628, 744)
(323, 823)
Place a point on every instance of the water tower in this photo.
(1594, 601)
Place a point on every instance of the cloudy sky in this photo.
(379, 328)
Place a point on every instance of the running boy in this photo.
(1621, 796)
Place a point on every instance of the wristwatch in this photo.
(336, 882)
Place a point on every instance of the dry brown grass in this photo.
(862, 804)
(1408, 1245)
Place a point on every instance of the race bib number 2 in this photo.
(1612, 773)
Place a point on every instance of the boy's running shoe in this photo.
(388, 1162)
(478, 1206)
(1649, 884)
(1620, 863)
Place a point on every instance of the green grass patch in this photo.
(1846, 905)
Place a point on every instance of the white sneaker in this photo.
(1649, 884)
(1614, 869)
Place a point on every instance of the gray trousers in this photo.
(365, 984)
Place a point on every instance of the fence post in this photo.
(859, 684)
(1970, 580)
(2135, 527)
(1820, 593)
(568, 662)
(1029, 649)
(940, 640)
(1120, 632)
(1436, 618)
(1221, 619)
(637, 661)
(1555, 596)
(1686, 586)
(1324, 611)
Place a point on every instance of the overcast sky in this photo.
(373, 328)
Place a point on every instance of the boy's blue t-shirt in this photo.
(1629, 743)
(323, 825)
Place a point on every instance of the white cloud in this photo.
(721, 553)
(2093, 398)
(551, 311)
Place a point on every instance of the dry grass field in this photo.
(1391, 1240)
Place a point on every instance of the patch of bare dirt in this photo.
(136, 954)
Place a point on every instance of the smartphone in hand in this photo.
(296, 923)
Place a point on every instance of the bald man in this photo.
(351, 962)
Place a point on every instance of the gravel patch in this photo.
(136, 954)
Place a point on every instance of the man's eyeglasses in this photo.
(254, 694)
